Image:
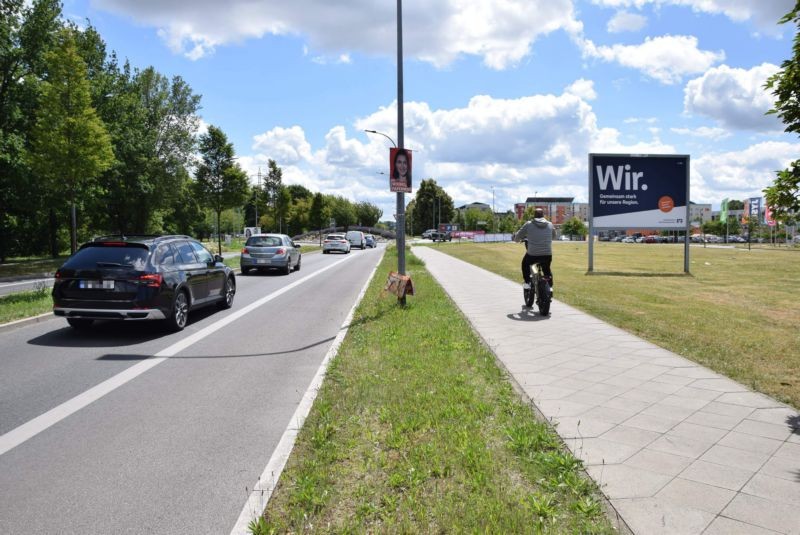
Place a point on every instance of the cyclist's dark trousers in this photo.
(544, 260)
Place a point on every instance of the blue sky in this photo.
(509, 95)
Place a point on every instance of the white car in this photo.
(356, 239)
(335, 242)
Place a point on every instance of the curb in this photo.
(25, 321)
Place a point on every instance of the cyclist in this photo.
(539, 234)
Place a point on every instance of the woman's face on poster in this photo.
(401, 165)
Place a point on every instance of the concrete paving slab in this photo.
(694, 495)
(676, 447)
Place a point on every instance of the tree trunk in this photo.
(53, 227)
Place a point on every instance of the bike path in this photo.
(674, 446)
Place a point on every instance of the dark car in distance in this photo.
(141, 278)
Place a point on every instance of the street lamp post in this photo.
(401, 216)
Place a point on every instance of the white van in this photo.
(356, 239)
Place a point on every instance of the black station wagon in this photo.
(141, 278)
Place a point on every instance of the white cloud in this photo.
(763, 13)
(583, 89)
(734, 97)
(666, 58)
(624, 21)
(739, 174)
(532, 143)
(703, 132)
(287, 145)
(437, 31)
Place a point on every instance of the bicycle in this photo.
(539, 290)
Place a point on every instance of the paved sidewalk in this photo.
(675, 447)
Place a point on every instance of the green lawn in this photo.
(417, 430)
(21, 305)
(737, 313)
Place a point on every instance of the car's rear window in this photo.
(126, 256)
(264, 241)
(334, 237)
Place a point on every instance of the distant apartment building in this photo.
(478, 205)
(556, 209)
(699, 213)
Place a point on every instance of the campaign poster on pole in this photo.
(400, 170)
(639, 191)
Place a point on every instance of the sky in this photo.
(503, 99)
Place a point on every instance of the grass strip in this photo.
(417, 430)
(737, 313)
(25, 304)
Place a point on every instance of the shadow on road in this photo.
(132, 357)
(526, 314)
(101, 334)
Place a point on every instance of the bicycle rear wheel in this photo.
(543, 297)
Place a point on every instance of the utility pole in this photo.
(401, 216)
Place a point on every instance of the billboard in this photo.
(638, 191)
(400, 170)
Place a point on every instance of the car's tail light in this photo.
(151, 280)
(280, 251)
(58, 274)
(245, 251)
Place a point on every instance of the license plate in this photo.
(96, 285)
(263, 260)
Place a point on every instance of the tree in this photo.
(70, 146)
(318, 215)
(368, 214)
(573, 227)
(432, 204)
(784, 194)
(273, 183)
(27, 32)
(221, 183)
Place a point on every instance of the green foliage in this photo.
(474, 219)
(431, 205)
(573, 227)
(70, 146)
(221, 183)
(784, 194)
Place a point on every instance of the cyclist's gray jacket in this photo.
(540, 233)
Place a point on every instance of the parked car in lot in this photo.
(140, 278)
(628, 239)
(270, 251)
(335, 242)
(427, 234)
(370, 241)
(356, 238)
(440, 236)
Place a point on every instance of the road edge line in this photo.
(259, 497)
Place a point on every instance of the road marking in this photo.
(264, 487)
(33, 427)
(6, 285)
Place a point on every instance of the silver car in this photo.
(270, 251)
(335, 242)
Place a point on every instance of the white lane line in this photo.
(263, 488)
(7, 284)
(33, 427)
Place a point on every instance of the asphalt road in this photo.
(175, 448)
